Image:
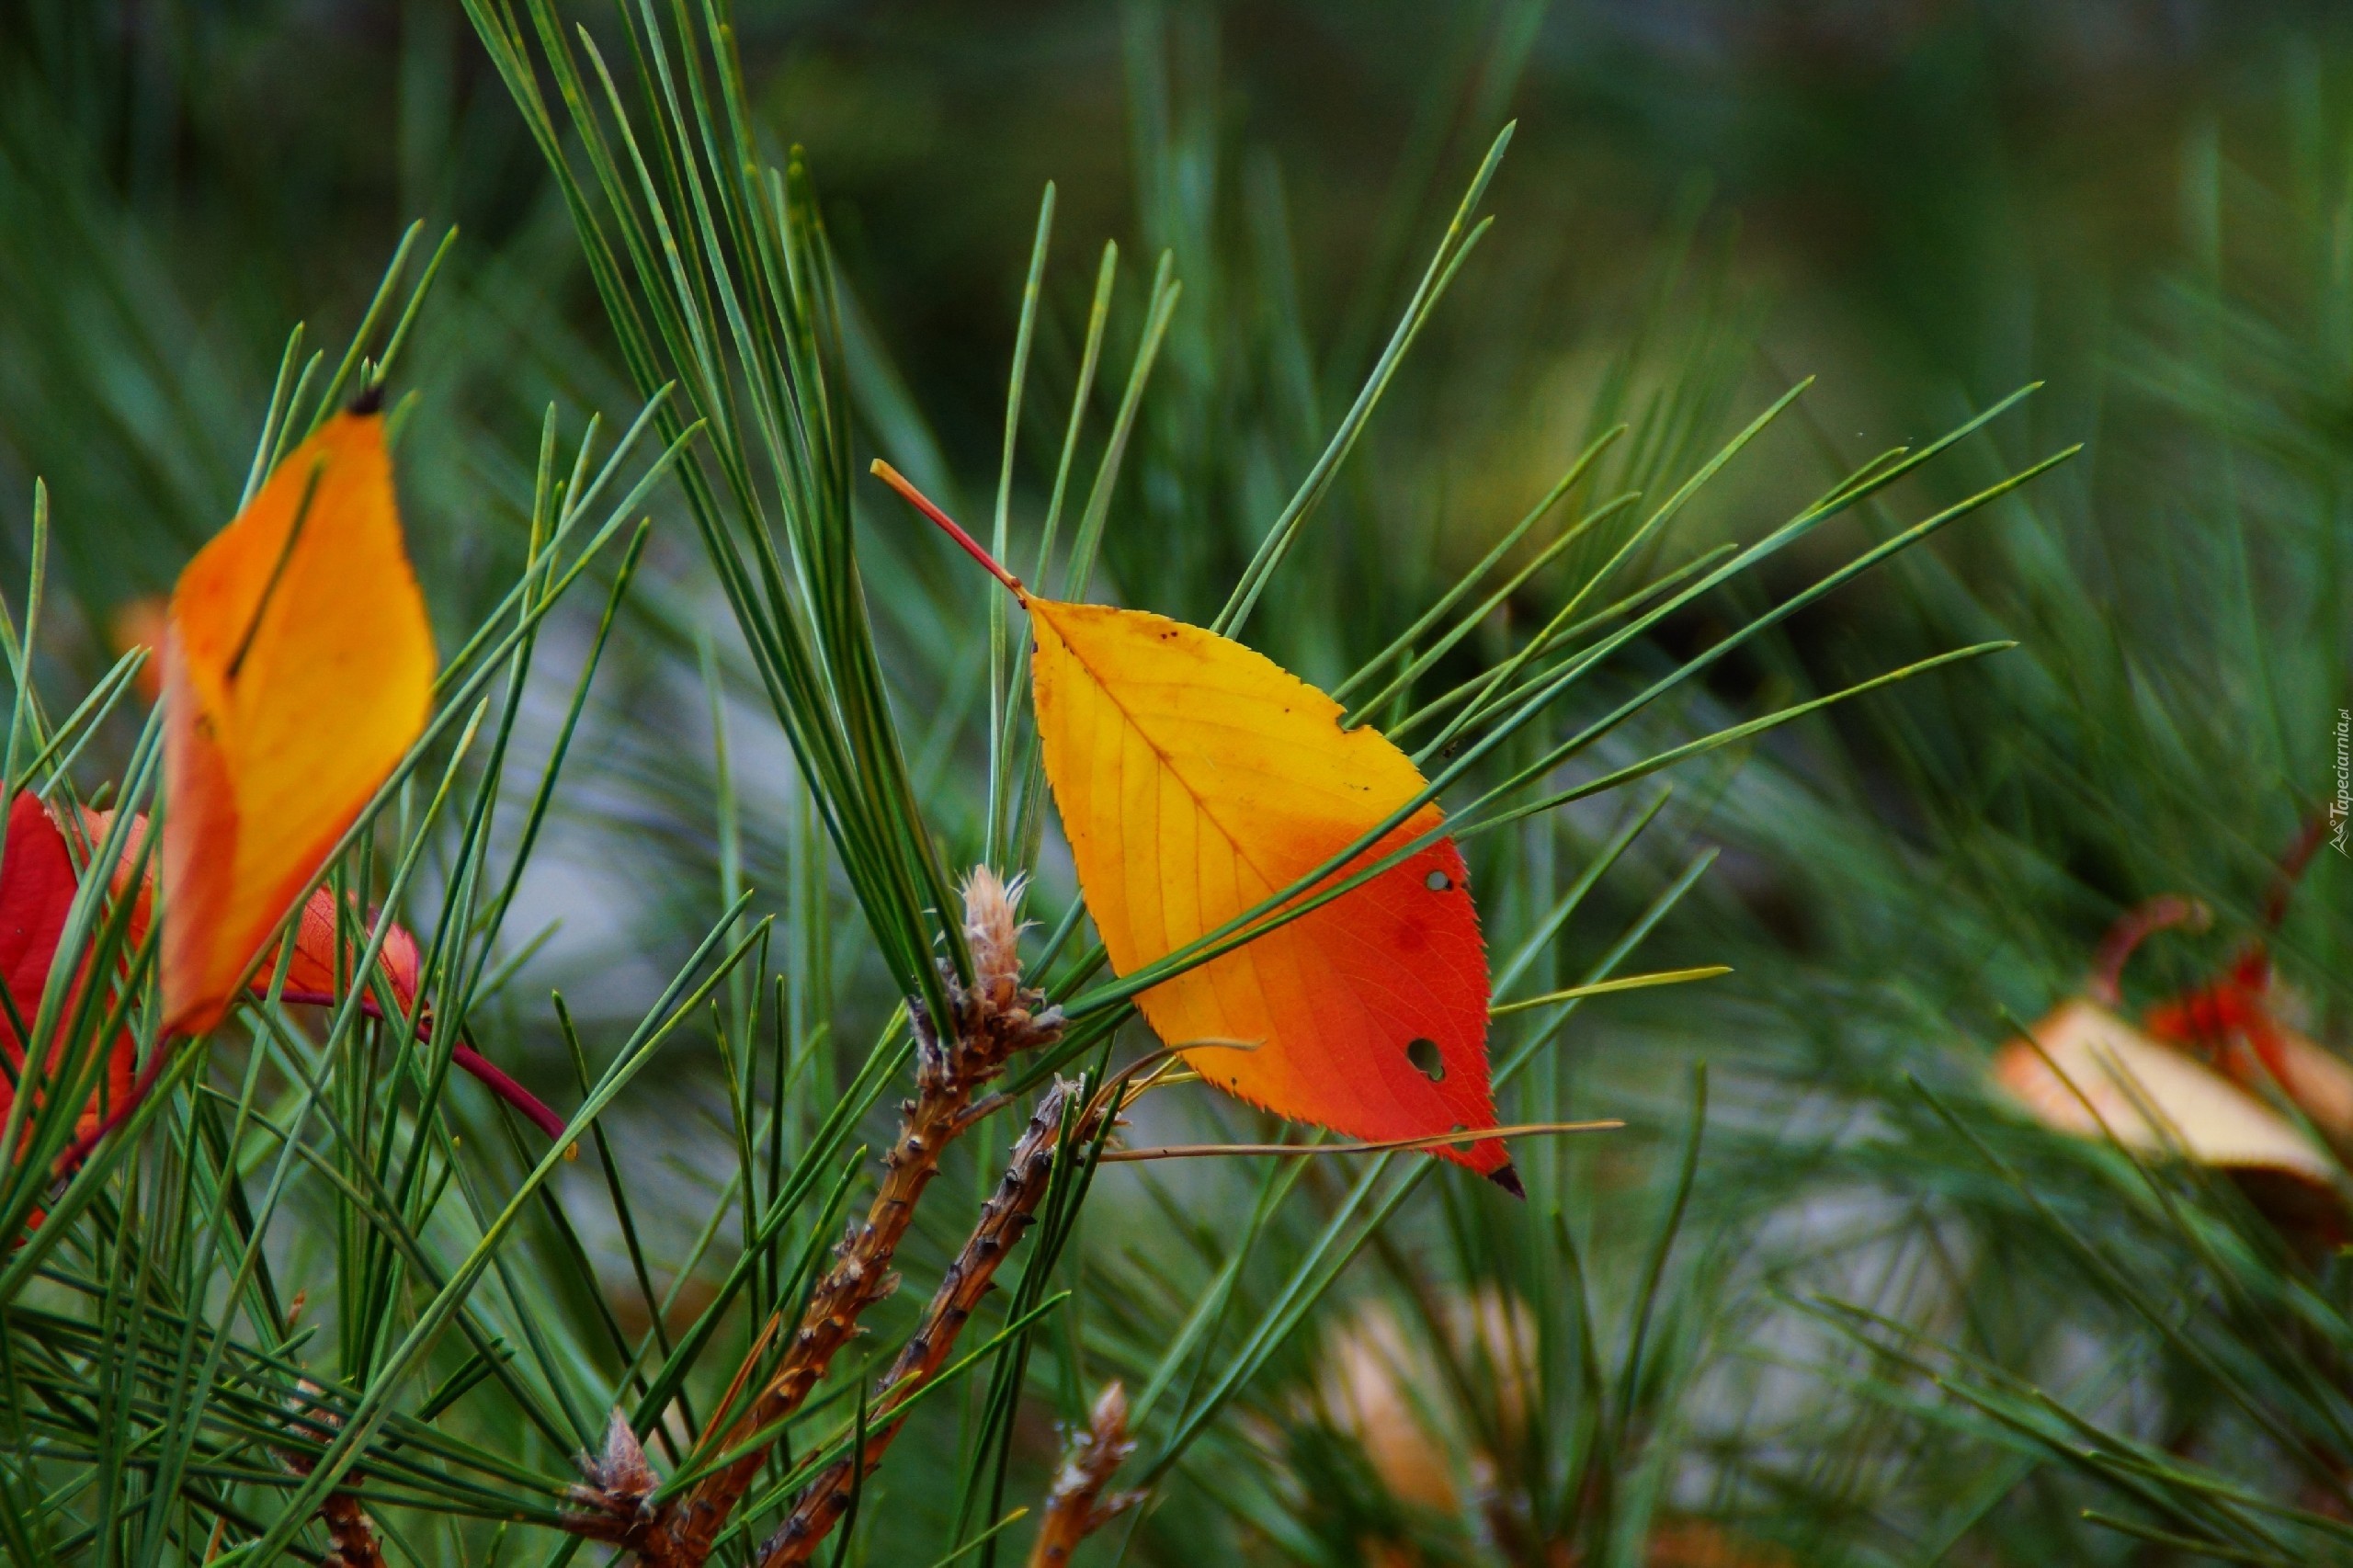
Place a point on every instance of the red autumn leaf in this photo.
(140, 624)
(311, 972)
(2241, 1022)
(2235, 1023)
(311, 976)
(37, 887)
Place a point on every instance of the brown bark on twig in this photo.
(1076, 1506)
(1004, 1218)
(994, 1018)
(351, 1538)
(611, 1501)
(354, 1537)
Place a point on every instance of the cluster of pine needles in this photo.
(838, 1256)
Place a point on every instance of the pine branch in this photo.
(1002, 1220)
(619, 1482)
(1075, 1508)
(995, 1017)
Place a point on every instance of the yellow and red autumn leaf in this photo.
(1196, 779)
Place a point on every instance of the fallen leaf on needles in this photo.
(1197, 778)
(2243, 1022)
(2239, 1024)
(298, 668)
(2095, 1070)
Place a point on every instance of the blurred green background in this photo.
(1924, 206)
(2147, 206)
(1914, 202)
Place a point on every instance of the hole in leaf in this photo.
(1424, 1055)
(1437, 881)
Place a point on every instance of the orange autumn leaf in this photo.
(298, 668)
(1196, 779)
(1387, 1391)
(1435, 1398)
